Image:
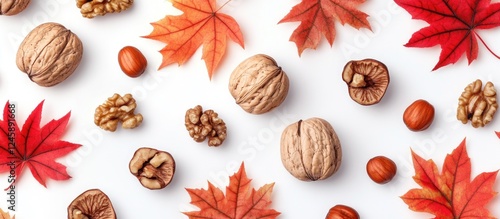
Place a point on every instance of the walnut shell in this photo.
(310, 149)
(49, 54)
(258, 84)
(13, 7)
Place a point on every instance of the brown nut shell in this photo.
(367, 80)
(342, 212)
(91, 204)
(154, 168)
(419, 115)
(132, 62)
(13, 7)
(49, 54)
(310, 149)
(381, 169)
(258, 84)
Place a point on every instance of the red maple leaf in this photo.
(241, 201)
(453, 25)
(33, 146)
(451, 194)
(200, 24)
(318, 18)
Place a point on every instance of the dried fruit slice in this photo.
(91, 204)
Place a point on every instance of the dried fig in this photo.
(91, 204)
(154, 169)
(258, 84)
(367, 80)
(13, 7)
(310, 149)
(49, 54)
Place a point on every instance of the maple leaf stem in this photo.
(485, 45)
(222, 6)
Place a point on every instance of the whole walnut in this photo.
(13, 7)
(258, 84)
(310, 149)
(49, 54)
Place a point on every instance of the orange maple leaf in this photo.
(5, 215)
(241, 201)
(451, 194)
(200, 24)
(318, 17)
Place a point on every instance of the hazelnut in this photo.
(381, 169)
(155, 169)
(310, 149)
(367, 80)
(132, 61)
(91, 204)
(419, 115)
(342, 212)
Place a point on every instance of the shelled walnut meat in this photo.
(205, 124)
(155, 169)
(477, 104)
(367, 80)
(93, 8)
(13, 7)
(91, 204)
(310, 149)
(49, 54)
(117, 109)
(258, 84)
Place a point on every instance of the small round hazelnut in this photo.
(342, 212)
(381, 169)
(419, 115)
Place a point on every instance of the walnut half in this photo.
(477, 105)
(154, 169)
(117, 109)
(205, 124)
(93, 8)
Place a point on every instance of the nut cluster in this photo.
(93, 8)
(117, 109)
(205, 124)
(154, 169)
(477, 105)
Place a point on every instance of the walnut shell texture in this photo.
(13, 7)
(91, 204)
(310, 149)
(258, 84)
(49, 54)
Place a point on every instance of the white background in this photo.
(316, 90)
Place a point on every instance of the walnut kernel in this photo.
(207, 124)
(117, 109)
(477, 105)
(93, 8)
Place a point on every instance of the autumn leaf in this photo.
(35, 147)
(498, 134)
(317, 18)
(241, 201)
(200, 24)
(5, 215)
(451, 194)
(452, 25)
